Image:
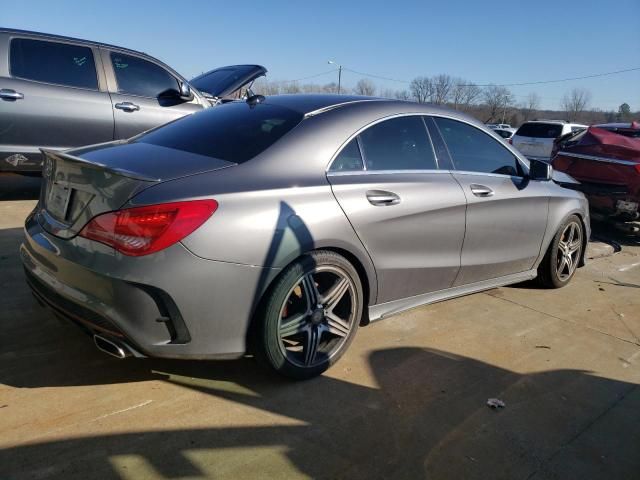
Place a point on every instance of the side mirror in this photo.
(539, 170)
(185, 91)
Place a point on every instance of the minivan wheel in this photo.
(562, 258)
(311, 315)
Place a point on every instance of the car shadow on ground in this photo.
(426, 418)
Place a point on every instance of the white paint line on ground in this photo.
(629, 267)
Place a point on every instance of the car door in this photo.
(51, 96)
(506, 212)
(144, 93)
(408, 214)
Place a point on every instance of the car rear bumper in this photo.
(171, 304)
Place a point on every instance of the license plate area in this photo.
(58, 201)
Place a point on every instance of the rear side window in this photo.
(235, 131)
(349, 159)
(53, 62)
(398, 144)
(472, 150)
(540, 130)
(136, 76)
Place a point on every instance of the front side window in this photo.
(136, 76)
(472, 150)
(349, 159)
(53, 62)
(398, 144)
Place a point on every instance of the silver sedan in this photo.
(281, 225)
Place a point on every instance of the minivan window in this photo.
(136, 76)
(540, 130)
(235, 131)
(398, 144)
(472, 150)
(53, 62)
(349, 159)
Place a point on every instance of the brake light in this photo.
(143, 230)
(637, 167)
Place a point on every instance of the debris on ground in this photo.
(495, 403)
(543, 346)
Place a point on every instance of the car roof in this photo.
(51, 36)
(628, 125)
(314, 104)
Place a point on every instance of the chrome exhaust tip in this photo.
(111, 347)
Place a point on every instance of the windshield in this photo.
(235, 132)
(540, 130)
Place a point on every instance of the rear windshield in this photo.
(235, 132)
(540, 130)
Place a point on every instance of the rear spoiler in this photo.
(86, 163)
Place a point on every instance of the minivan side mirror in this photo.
(539, 170)
(185, 91)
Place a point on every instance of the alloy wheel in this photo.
(317, 316)
(569, 249)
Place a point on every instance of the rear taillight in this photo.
(144, 230)
(510, 141)
(637, 167)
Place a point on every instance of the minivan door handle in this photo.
(481, 190)
(8, 94)
(382, 198)
(127, 106)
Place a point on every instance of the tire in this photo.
(563, 255)
(310, 315)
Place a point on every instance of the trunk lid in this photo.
(80, 184)
(224, 81)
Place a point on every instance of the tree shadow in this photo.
(426, 418)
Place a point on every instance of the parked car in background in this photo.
(59, 92)
(535, 138)
(494, 126)
(606, 160)
(505, 133)
(287, 222)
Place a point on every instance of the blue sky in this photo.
(482, 41)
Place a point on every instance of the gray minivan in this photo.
(60, 92)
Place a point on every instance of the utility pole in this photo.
(331, 62)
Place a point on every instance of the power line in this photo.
(311, 76)
(539, 82)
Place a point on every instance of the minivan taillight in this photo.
(143, 230)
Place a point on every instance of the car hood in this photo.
(223, 81)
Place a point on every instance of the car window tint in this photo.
(235, 131)
(473, 150)
(398, 144)
(540, 130)
(140, 77)
(349, 159)
(442, 154)
(52, 62)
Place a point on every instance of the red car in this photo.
(605, 159)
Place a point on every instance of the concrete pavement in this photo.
(406, 401)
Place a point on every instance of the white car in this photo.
(501, 126)
(535, 139)
(505, 133)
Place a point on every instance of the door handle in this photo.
(381, 198)
(481, 190)
(127, 106)
(9, 94)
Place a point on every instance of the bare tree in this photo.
(291, 87)
(365, 87)
(402, 95)
(575, 102)
(421, 89)
(442, 85)
(387, 93)
(530, 106)
(330, 87)
(464, 94)
(497, 100)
